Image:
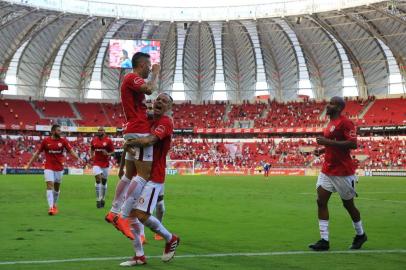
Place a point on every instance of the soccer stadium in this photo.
(234, 134)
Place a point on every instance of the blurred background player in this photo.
(53, 146)
(160, 138)
(100, 151)
(355, 161)
(133, 91)
(337, 173)
(266, 167)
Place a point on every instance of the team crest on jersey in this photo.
(141, 200)
(332, 128)
(160, 129)
(59, 144)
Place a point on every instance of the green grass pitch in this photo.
(212, 215)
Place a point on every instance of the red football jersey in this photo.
(337, 161)
(133, 102)
(53, 149)
(98, 145)
(163, 129)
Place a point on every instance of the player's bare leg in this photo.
(360, 237)
(98, 179)
(50, 197)
(172, 240)
(56, 192)
(323, 196)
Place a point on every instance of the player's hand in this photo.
(322, 141)
(155, 69)
(105, 152)
(26, 167)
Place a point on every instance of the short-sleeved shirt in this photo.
(133, 102)
(98, 145)
(54, 149)
(337, 160)
(163, 129)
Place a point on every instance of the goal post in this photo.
(180, 166)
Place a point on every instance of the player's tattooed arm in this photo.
(34, 157)
(122, 163)
(142, 142)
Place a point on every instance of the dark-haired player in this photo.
(53, 146)
(338, 173)
(133, 91)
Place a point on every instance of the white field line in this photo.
(215, 255)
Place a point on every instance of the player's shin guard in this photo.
(98, 189)
(103, 189)
(133, 193)
(160, 210)
(56, 196)
(50, 198)
(137, 243)
(157, 227)
(121, 189)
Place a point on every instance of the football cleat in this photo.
(123, 225)
(51, 211)
(158, 237)
(102, 203)
(170, 248)
(321, 245)
(98, 204)
(55, 209)
(358, 241)
(110, 217)
(136, 260)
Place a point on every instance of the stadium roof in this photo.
(345, 51)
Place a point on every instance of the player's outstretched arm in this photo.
(34, 157)
(74, 154)
(142, 142)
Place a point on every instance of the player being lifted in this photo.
(338, 173)
(100, 151)
(160, 138)
(133, 91)
(53, 146)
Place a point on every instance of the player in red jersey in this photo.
(338, 173)
(133, 91)
(53, 146)
(101, 150)
(160, 138)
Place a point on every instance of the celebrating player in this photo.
(337, 174)
(160, 138)
(133, 91)
(53, 146)
(100, 151)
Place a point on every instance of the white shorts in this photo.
(149, 197)
(98, 170)
(53, 176)
(141, 153)
(344, 185)
(162, 191)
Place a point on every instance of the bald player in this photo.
(337, 173)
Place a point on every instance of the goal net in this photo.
(182, 167)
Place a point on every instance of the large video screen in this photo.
(121, 51)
